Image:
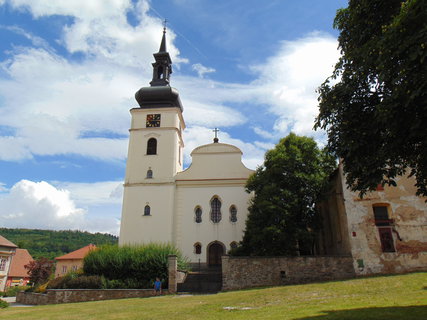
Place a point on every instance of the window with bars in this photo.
(147, 210)
(215, 210)
(149, 174)
(3, 264)
(233, 214)
(198, 215)
(233, 245)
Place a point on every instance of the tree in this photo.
(374, 106)
(282, 216)
(39, 270)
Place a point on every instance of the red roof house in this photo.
(18, 275)
(72, 261)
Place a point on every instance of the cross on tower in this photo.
(164, 24)
(216, 130)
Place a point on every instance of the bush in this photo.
(12, 291)
(132, 266)
(85, 282)
(3, 304)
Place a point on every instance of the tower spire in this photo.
(163, 43)
(162, 68)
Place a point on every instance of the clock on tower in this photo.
(153, 120)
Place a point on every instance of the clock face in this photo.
(153, 120)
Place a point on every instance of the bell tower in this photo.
(154, 157)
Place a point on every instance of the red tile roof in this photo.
(19, 260)
(6, 243)
(78, 254)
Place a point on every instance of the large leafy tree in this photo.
(282, 216)
(374, 106)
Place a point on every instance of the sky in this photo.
(69, 70)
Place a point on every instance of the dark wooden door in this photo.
(215, 252)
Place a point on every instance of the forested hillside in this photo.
(51, 244)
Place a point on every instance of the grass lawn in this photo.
(389, 297)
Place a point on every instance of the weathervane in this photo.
(216, 130)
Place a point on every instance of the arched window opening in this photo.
(147, 210)
(160, 72)
(197, 248)
(233, 214)
(233, 245)
(152, 146)
(198, 215)
(215, 210)
(149, 174)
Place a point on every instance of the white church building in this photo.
(201, 210)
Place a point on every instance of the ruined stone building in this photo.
(385, 232)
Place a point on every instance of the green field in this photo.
(390, 297)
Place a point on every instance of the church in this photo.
(201, 210)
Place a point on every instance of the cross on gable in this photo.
(216, 130)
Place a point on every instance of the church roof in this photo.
(216, 148)
(158, 97)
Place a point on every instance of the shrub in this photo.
(3, 304)
(85, 282)
(12, 291)
(133, 266)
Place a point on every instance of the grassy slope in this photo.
(390, 297)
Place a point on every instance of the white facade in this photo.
(174, 195)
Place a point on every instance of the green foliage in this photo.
(12, 291)
(51, 244)
(282, 216)
(374, 106)
(132, 266)
(77, 282)
(40, 270)
(3, 304)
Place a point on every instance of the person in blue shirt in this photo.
(157, 287)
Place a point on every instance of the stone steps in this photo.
(206, 281)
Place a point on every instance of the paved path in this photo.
(12, 302)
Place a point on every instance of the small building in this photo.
(7, 250)
(18, 275)
(72, 261)
(385, 231)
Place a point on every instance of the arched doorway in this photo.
(215, 251)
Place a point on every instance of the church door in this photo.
(216, 250)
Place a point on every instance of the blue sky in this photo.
(69, 70)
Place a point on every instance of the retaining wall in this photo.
(53, 296)
(248, 272)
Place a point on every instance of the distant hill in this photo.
(51, 244)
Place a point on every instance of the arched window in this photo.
(147, 210)
(152, 146)
(215, 210)
(197, 248)
(198, 214)
(233, 213)
(149, 174)
(233, 245)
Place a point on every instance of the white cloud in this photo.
(41, 205)
(201, 69)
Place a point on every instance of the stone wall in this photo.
(53, 296)
(248, 272)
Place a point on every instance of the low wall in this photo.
(248, 272)
(53, 296)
